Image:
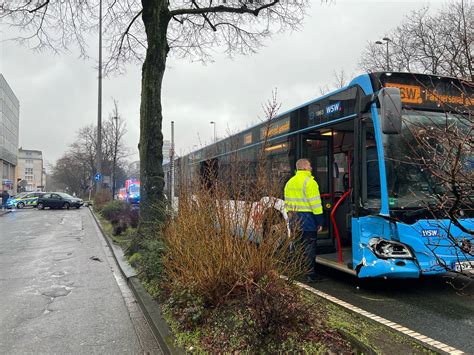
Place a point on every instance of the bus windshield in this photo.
(409, 183)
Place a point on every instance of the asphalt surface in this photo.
(440, 307)
(60, 291)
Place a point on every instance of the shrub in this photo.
(115, 210)
(135, 259)
(101, 198)
(134, 218)
(212, 249)
(120, 214)
(119, 227)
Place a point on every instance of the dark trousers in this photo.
(309, 244)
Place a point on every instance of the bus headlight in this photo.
(389, 249)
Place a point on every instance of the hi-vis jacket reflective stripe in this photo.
(302, 194)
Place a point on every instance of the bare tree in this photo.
(150, 31)
(76, 168)
(341, 79)
(71, 174)
(428, 43)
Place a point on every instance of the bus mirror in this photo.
(390, 110)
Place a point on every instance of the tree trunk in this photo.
(155, 18)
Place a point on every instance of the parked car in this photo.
(24, 199)
(58, 200)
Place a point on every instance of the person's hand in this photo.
(320, 228)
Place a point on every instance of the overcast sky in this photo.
(58, 93)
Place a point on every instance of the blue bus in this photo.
(376, 203)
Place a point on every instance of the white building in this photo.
(9, 130)
(30, 169)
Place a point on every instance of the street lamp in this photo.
(99, 108)
(214, 123)
(172, 167)
(386, 40)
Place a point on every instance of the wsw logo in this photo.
(335, 107)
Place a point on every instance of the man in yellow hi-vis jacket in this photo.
(304, 206)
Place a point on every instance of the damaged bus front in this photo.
(420, 219)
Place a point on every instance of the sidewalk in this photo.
(147, 304)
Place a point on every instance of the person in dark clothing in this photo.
(5, 197)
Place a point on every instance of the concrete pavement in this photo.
(60, 290)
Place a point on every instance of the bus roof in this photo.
(418, 91)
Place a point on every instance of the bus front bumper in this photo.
(371, 266)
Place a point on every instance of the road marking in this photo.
(424, 340)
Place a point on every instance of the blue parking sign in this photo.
(98, 177)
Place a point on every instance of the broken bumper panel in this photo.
(371, 266)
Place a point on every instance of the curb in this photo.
(147, 304)
(3, 213)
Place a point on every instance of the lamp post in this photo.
(99, 108)
(172, 165)
(214, 124)
(386, 40)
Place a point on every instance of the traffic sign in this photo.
(98, 177)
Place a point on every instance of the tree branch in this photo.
(39, 7)
(205, 17)
(127, 30)
(222, 8)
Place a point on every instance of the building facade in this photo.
(30, 170)
(9, 130)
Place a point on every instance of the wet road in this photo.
(434, 306)
(60, 291)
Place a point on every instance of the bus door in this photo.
(318, 150)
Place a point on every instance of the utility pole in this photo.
(99, 109)
(172, 165)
